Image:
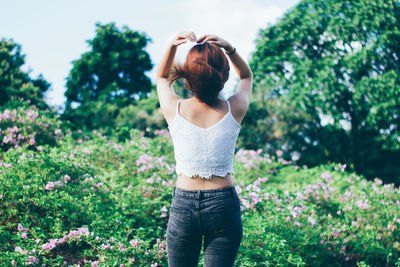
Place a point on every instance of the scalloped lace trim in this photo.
(204, 174)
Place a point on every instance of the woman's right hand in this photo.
(182, 38)
(218, 41)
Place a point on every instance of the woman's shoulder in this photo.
(169, 110)
(239, 107)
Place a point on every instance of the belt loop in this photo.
(198, 194)
(173, 193)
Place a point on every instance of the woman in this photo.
(204, 131)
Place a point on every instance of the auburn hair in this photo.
(205, 72)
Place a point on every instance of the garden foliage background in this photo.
(316, 166)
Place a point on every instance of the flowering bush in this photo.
(94, 200)
(28, 126)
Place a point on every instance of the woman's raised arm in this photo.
(241, 99)
(166, 93)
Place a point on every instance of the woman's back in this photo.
(202, 115)
(204, 147)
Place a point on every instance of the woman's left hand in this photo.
(182, 38)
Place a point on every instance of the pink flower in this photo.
(49, 186)
(134, 243)
(50, 245)
(21, 228)
(98, 184)
(6, 139)
(17, 248)
(164, 211)
(32, 258)
(363, 205)
(326, 176)
(6, 114)
(32, 141)
(311, 220)
(105, 247)
(238, 189)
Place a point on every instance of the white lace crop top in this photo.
(204, 152)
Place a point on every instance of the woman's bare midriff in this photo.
(197, 183)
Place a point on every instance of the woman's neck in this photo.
(198, 101)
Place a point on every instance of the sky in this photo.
(54, 33)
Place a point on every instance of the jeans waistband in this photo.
(199, 194)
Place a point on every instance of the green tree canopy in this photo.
(329, 71)
(15, 82)
(108, 77)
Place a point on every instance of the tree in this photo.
(143, 114)
(108, 77)
(335, 66)
(16, 83)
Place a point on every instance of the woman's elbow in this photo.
(248, 76)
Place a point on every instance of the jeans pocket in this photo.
(226, 219)
(179, 221)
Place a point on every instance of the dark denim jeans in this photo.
(214, 214)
